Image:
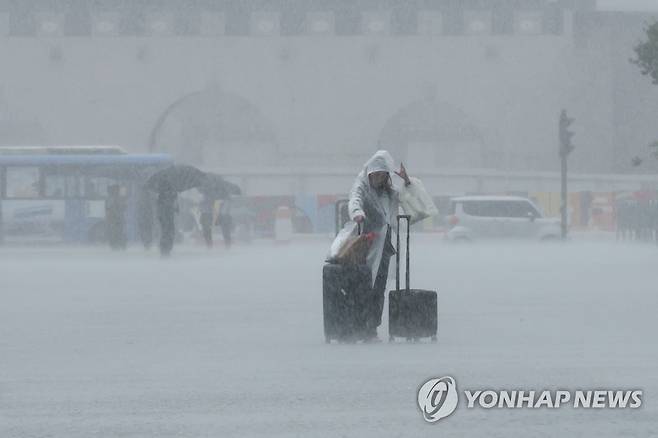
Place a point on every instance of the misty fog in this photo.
(173, 175)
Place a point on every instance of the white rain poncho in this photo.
(379, 207)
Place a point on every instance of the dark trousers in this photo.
(116, 234)
(226, 225)
(145, 230)
(167, 232)
(376, 303)
(206, 227)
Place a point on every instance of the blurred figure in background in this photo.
(207, 209)
(115, 211)
(225, 222)
(145, 217)
(214, 188)
(637, 219)
(167, 207)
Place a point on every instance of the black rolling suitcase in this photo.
(344, 289)
(412, 313)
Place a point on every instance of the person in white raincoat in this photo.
(374, 202)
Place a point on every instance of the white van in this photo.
(499, 217)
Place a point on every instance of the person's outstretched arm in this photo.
(355, 205)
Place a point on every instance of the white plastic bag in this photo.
(350, 230)
(416, 202)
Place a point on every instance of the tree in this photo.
(647, 60)
(647, 54)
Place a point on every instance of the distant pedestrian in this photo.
(225, 222)
(207, 208)
(167, 207)
(145, 218)
(115, 211)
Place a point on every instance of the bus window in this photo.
(22, 182)
(96, 186)
(61, 186)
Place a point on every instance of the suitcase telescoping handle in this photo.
(397, 253)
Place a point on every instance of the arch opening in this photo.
(214, 129)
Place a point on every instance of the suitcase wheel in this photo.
(434, 339)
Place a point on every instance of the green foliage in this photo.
(647, 53)
(647, 60)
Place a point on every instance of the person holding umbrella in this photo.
(168, 183)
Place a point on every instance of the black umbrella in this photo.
(215, 186)
(179, 178)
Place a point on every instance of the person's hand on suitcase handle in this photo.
(360, 220)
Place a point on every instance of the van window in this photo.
(483, 208)
(499, 208)
(520, 209)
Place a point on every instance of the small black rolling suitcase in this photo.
(344, 288)
(412, 313)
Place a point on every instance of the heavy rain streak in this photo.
(354, 218)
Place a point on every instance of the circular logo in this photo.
(437, 398)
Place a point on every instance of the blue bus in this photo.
(57, 194)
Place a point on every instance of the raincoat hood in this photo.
(381, 161)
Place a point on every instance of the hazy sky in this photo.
(627, 5)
